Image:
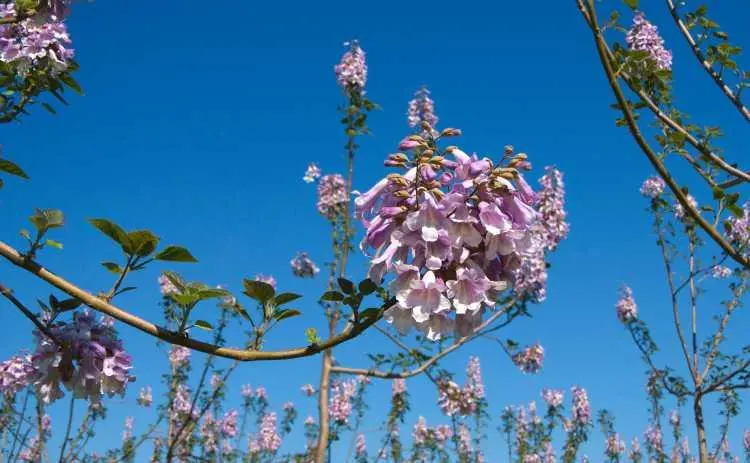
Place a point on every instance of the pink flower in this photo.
(653, 187)
(312, 173)
(308, 390)
(627, 310)
(351, 72)
(530, 359)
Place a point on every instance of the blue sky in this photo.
(200, 118)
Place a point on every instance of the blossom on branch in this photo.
(303, 266)
(644, 36)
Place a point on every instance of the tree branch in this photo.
(351, 331)
(704, 62)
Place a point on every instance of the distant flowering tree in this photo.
(702, 239)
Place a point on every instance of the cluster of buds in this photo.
(456, 400)
(454, 230)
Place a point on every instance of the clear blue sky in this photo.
(199, 121)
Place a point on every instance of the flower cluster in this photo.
(644, 36)
(738, 229)
(312, 173)
(228, 424)
(179, 356)
(360, 446)
(553, 397)
(268, 439)
(653, 187)
(85, 356)
(551, 206)
(721, 272)
(581, 405)
(530, 359)
(166, 286)
(145, 397)
(455, 234)
(303, 266)
(422, 109)
(332, 197)
(679, 211)
(35, 42)
(351, 72)
(627, 309)
(15, 374)
(422, 434)
(127, 432)
(455, 400)
(341, 405)
(308, 390)
(653, 438)
(614, 447)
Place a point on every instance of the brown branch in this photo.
(704, 61)
(719, 334)
(351, 331)
(601, 46)
(432, 360)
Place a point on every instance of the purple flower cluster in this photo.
(308, 390)
(15, 374)
(398, 387)
(679, 211)
(35, 42)
(653, 438)
(455, 400)
(614, 447)
(553, 397)
(360, 446)
(351, 72)
(627, 309)
(145, 397)
(166, 286)
(127, 432)
(530, 359)
(422, 434)
(454, 233)
(268, 439)
(653, 187)
(92, 363)
(739, 229)
(179, 356)
(208, 434)
(422, 109)
(341, 405)
(332, 197)
(551, 206)
(246, 391)
(312, 173)
(581, 405)
(228, 424)
(303, 266)
(721, 272)
(644, 36)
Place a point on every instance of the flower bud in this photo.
(450, 133)
(401, 194)
(407, 144)
(392, 163)
(508, 150)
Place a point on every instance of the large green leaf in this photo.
(286, 313)
(175, 254)
(111, 229)
(258, 290)
(12, 169)
(141, 243)
(284, 298)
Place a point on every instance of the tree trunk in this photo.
(703, 454)
(323, 425)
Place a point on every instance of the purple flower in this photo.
(627, 309)
(351, 72)
(332, 196)
(341, 395)
(739, 228)
(228, 424)
(261, 393)
(581, 406)
(312, 173)
(644, 36)
(679, 211)
(469, 290)
(308, 390)
(268, 438)
(422, 109)
(746, 440)
(530, 359)
(424, 297)
(37, 42)
(216, 381)
(303, 266)
(398, 387)
(166, 286)
(127, 433)
(551, 206)
(653, 438)
(145, 397)
(360, 447)
(653, 187)
(288, 406)
(246, 391)
(721, 272)
(553, 397)
(179, 356)
(614, 447)
(15, 374)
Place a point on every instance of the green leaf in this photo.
(12, 169)
(54, 244)
(369, 313)
(125, 290)
(312, 336)
(49, 108)
(184, 299)
(70, 82)
(25, 234)
(332, 296)
(367, 286)
(211, 293)
(284, 298)
(346, 286)
(175, 280)
(204, 325)
(175, 254)
(258, 290)
(69, 304)
(286, 313)
(112, 267)
(112, 230)
(141, 243)
(44, 219)
(632, 3)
